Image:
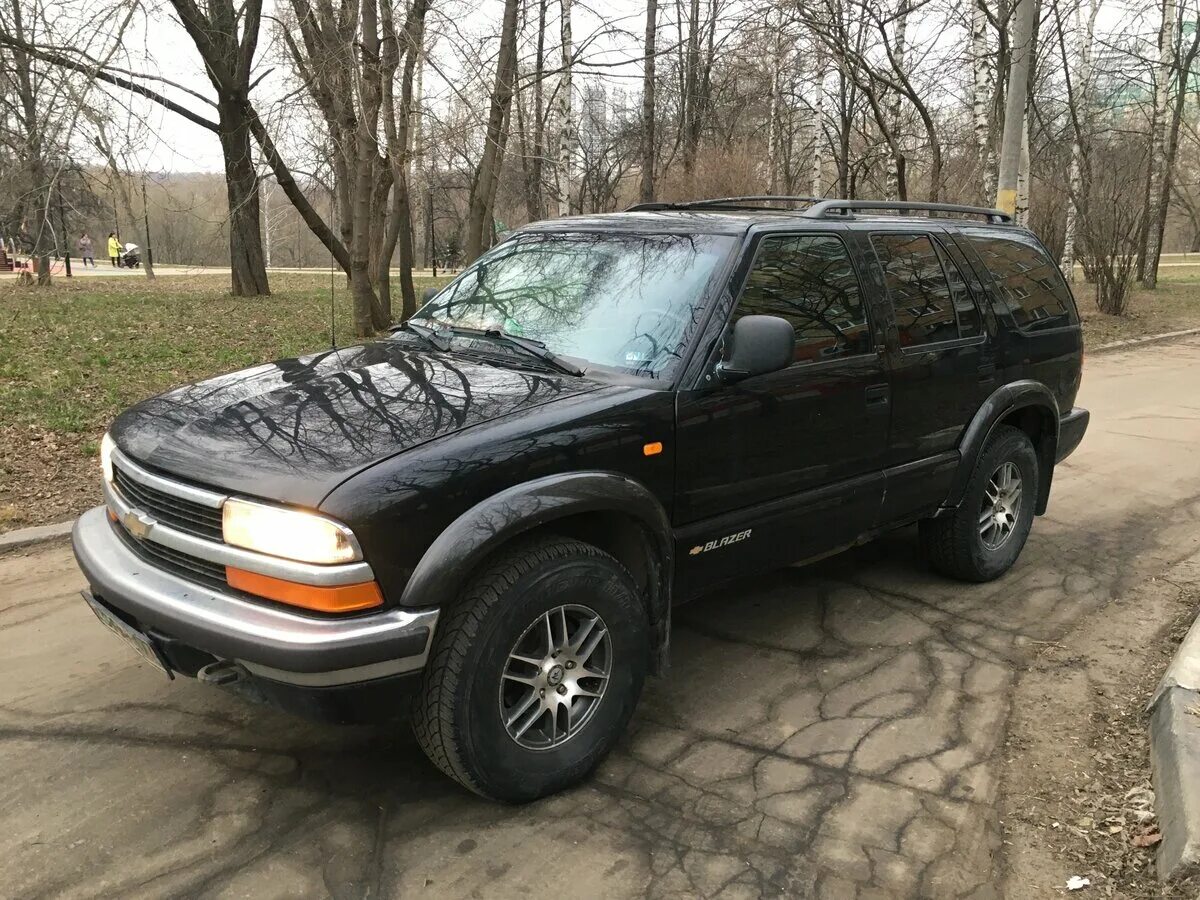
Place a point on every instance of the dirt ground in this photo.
(1077, 797)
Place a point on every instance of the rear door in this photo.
(792, 459)
(940, 359)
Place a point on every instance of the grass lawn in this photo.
(1173, 306)
(75, 354)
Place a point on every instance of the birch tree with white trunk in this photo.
(566, 135)
(818, 122)
(1079, 99)
(896, 159)
(982, 88)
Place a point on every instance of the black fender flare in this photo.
(1002, 402)
(454, 554)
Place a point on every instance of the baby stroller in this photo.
(131, 258)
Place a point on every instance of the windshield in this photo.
(625, 302)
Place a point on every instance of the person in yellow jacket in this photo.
(114, 249)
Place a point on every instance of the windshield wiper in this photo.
(529, 345)
(535, 348)
(431, 337)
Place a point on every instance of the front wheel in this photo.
(535, 672)
(982, 539)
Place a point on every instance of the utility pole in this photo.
(1021, 40)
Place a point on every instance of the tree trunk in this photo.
(818, 125)
(896, 163)
(487, 175)
(1085, 28)
(982, 86)
(648, 100)
(247, 265)
(566, 124)
(1158, 221)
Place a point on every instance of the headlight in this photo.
(106, 451)
(287, 532)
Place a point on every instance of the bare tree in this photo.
(648, 147)
(487, 173)
(104, 145)
(566, 122)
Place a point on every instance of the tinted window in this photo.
(810, 281)
(918, 287)
(1029, 285)
(970, 324)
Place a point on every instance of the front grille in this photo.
(201, 521)
(184, 565)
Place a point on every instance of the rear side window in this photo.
(1028, 283)
(810, 281)
(928, 293)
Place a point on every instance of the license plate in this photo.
(142, 645)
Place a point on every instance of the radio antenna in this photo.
(333, 231)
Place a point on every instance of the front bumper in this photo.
(269, 642)
(1071, 428)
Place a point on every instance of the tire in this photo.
(460, 716)
(955, 545)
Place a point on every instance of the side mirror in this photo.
(758, 345)
(428, 294)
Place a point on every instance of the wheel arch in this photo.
(1027, 405)
(609, 510)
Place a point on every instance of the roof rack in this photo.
(826, 209)
(752, 201)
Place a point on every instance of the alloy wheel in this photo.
(555, 677)
(1001, 506)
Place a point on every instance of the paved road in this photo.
(831, 731)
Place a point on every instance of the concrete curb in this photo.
(1175, 760)
(1148, 339)
(27, 537)
(1175, 751)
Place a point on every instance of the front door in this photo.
(786, 466)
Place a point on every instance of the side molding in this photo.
(457, 551)
(1005, 400)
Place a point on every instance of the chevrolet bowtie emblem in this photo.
(137, 523)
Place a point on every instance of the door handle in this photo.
(878, 396)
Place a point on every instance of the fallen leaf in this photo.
(1146, 838)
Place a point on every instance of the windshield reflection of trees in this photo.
(335, 408)
(627, 302)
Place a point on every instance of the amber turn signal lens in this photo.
(338, 599)
(652, 449)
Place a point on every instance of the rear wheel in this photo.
(535, 672)
(982, 539)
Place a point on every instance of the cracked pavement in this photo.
(830, 731)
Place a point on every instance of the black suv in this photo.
(495, 506)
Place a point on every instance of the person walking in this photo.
(114, 249)
(86, 251)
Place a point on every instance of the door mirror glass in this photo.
(428, 294)
(758, 345)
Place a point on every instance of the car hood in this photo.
(293, 430)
